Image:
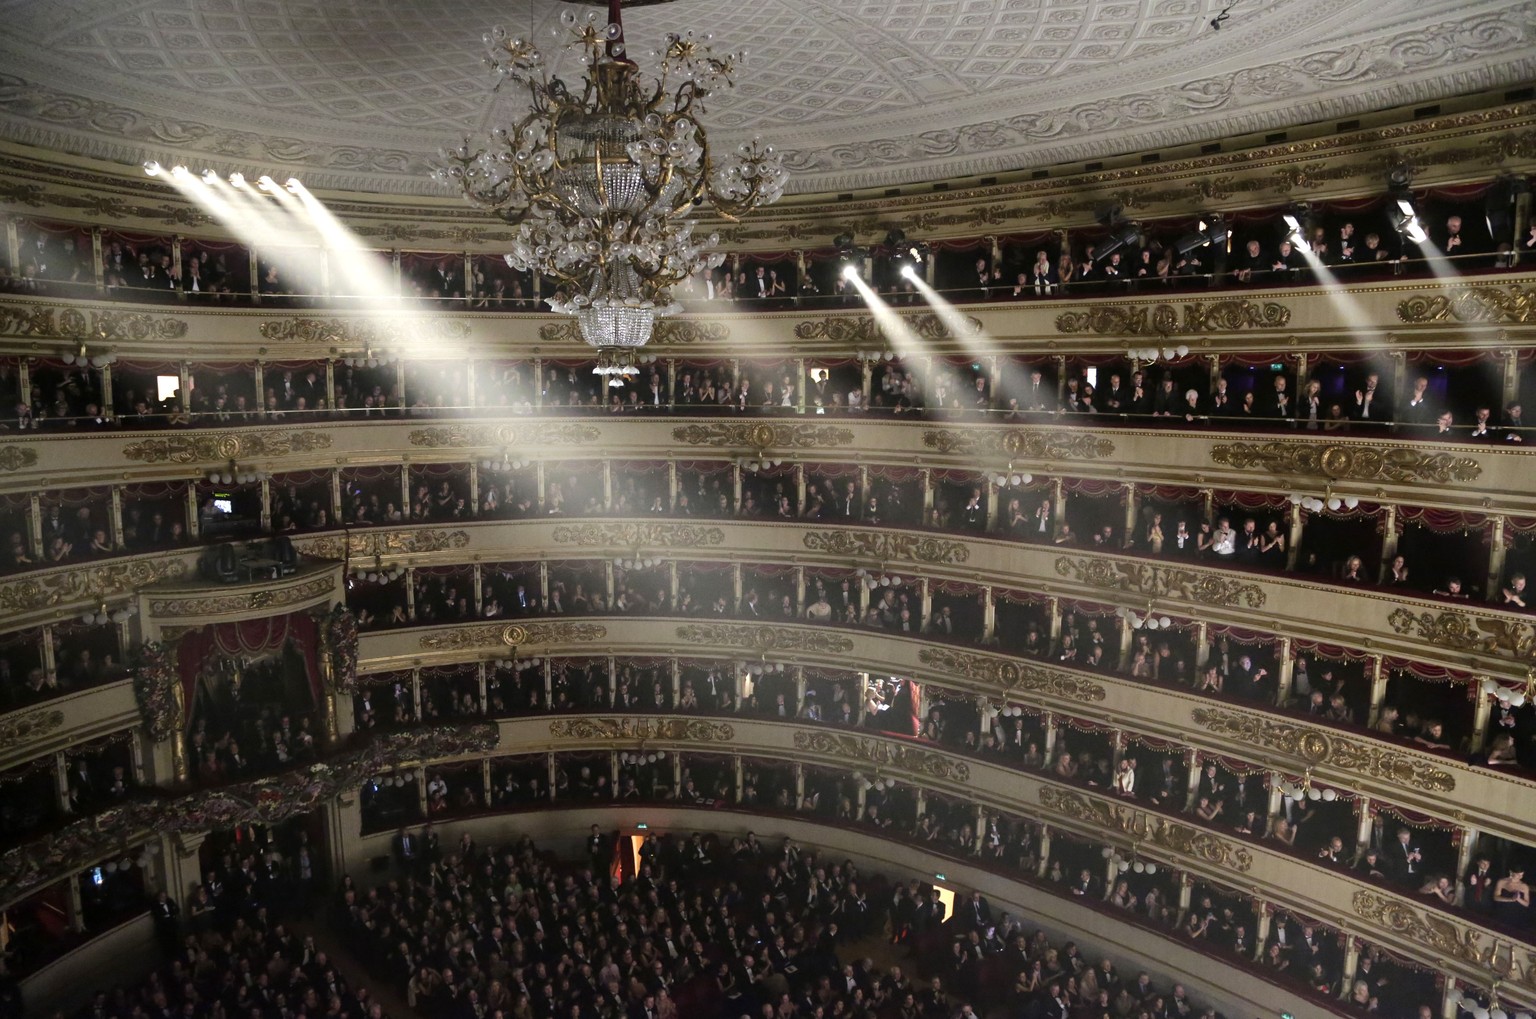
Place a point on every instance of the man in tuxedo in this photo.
(1404, 862)
(407, 849)
(1420, 409)
(1038, 396)
(978, 913)
(1280, 405)
(1371, 403)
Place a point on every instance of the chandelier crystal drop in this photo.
(600, 179)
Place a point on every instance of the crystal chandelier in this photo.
(599, 180)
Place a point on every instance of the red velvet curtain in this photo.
(249, 637)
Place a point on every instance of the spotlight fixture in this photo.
(1121, 235)
(1295, 232)
(1405, 220)
(1204, 235)
(850, 271)
(180, 170)
(237, 180)
(153, 168)
(909, 271)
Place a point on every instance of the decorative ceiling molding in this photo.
(979, 89)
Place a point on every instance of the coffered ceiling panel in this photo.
(358, 95)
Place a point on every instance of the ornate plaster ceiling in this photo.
(358, 94)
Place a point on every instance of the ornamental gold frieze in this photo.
(554, 433)
(637, 730)
(630, 536)
(1509, 305)
(14, 458)
(1462, 631)
(27, 726)
(1191, 318)
(373, 330)
(1021, 677)
(82, 584)
(1441, 935)
(1019, 444)
(189, 449)
(764, 435)
(864, 328)
(1325, 749)
(888, 547)
(1348, 463)
(883, 753)
(1158, 581)
(95, 326)
(382, 543)
(513, 635)
(265, 801)
(1174, 836)
(247, 601)
(764, 638)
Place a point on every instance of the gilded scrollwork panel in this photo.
(1464, 631)
(888, 547)
(30, 725)
(82, 586)
(95, 325)
(1023, 677)
(1325, 749)
(364, 331)
(885, 753)
(190, 449)
(1191, 318)
(1348, 463)
(645, 535)
(1174, 836)
(626, 730)
(764, 638)
(1437, 933)
(1508, 305)
(244, 601)
(14, 458)
(1017, 443)
(513, 635)
(1158, 581)
(763, 435)
(382, 543)
(865, 329)
(550, 433)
